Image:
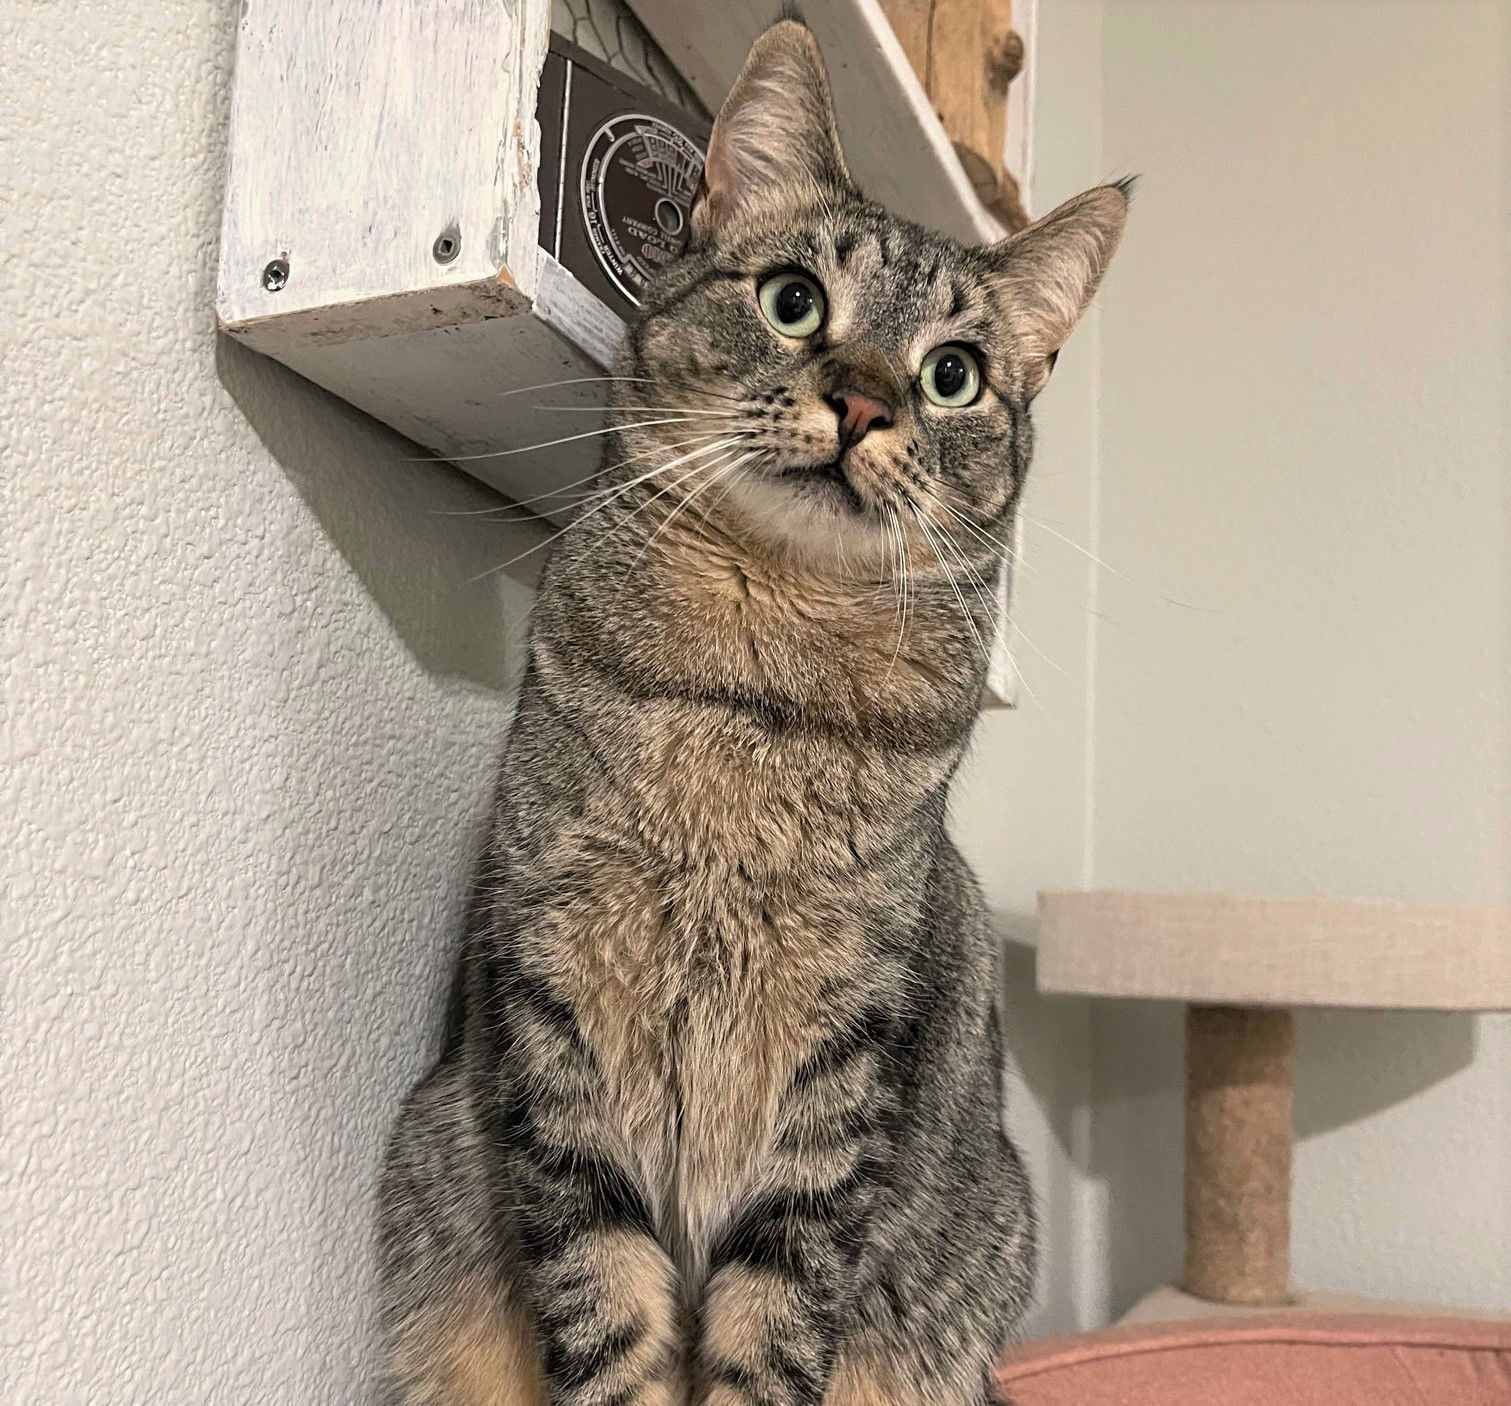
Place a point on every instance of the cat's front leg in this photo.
(605, 1313)
(782, 1278)
(602, 1290)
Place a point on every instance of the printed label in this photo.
(639, 177)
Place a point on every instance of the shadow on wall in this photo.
(1033, 1029)
(422, 537)
(1046, 1040)
(1350, 1065)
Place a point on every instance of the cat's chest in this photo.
(699, 1016)
(764, 983)
(728, 986)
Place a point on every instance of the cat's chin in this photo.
(812, 516)
(829, 479)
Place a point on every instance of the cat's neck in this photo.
(691, 606)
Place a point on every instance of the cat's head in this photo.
(862, 385)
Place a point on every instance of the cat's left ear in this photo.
(775, 134)
(1050, 271)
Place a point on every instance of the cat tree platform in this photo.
(1241, 965)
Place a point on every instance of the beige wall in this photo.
(1300, 433)
(251, 714)
(1304, 433)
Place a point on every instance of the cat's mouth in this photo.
(829, 478)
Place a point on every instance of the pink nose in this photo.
(858, 413)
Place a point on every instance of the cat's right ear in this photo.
(1050, 271)
(775, 133)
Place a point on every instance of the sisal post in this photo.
(1238, 1154)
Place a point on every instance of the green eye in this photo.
(792, 303)
(951, 375)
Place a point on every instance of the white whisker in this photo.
(721, 437)
(992, 544)
(618, 493)
(1122, 576)
(549, 443)
(705, 511)
(1012, 624)
(642, 508)
(677, 483)
(997, 548)
(730, 483)
(900, 540)
(1004, 625)
(597, 473)
(642, 410)
(1023, 679)
(722, 472)
(596, 380)
(971, 574)
(965, 611)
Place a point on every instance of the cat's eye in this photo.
(951, 375)
(792, 303)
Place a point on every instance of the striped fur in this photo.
(721, 1118)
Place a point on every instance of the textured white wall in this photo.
(252, 710)
(253, 705)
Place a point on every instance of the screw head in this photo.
(275, 275)
(448, 244)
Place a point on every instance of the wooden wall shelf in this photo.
(380, 231)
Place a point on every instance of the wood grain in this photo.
(967, 54)
(360, 130)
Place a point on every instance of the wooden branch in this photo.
(966, 53)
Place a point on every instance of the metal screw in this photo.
(275, 275)
(448, 244)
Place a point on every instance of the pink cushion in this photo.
(1295, 1359)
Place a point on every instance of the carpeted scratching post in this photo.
(1241, 964)
(1238, 1154)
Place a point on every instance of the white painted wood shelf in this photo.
(381, 225)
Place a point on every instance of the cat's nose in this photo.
(858, 413)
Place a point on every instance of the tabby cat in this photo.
(720, 1121)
